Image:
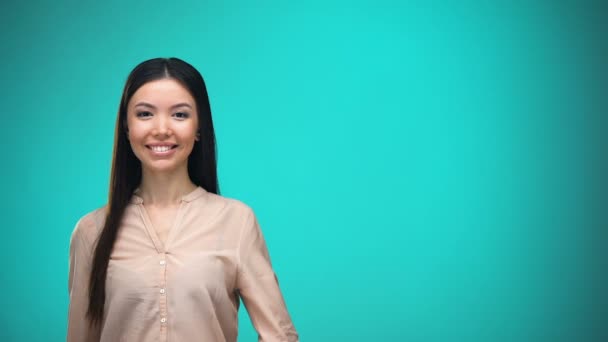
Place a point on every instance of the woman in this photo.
(167, 258)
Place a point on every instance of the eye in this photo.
(143, 114)
(182, 115)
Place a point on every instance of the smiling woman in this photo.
(161, 126)
(168, 258)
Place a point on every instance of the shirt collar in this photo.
(194, 194)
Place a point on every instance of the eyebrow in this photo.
(149, 105)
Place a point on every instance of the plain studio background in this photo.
(422, 171)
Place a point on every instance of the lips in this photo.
(163, 148)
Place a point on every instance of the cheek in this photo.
(135, 139)
(188, 135)
(136, 131)
(190, 145)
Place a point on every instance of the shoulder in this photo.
(229, 206)
(88, 227)
(242, 216)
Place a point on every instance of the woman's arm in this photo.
(78, 284)
(258, 287)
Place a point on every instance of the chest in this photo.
(162, 221)
(200, 258)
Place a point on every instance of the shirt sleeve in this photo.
(79, 329)
(259, 288)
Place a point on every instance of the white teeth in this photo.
(161, 148)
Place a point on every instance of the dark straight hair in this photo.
(126, 168)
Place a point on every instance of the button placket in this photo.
(162, 250)
(162, 302)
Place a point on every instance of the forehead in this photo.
(162, 93)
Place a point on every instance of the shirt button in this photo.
(162, 290)
(163, 320)
(163, 262)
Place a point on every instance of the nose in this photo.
(161, 127)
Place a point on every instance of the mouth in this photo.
(161, 149)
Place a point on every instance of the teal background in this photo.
(423, 171)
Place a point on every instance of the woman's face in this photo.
(162, 125)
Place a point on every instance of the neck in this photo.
(165, 189)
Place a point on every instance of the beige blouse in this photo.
(189, 288)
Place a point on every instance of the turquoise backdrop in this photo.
(423, 171)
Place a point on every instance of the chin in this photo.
(160, 166)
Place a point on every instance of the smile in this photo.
(161, 150)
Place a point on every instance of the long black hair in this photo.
(126, 168)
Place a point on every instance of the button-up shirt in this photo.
(188, 288)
